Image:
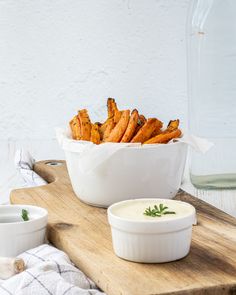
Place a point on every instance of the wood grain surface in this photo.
(83, 233)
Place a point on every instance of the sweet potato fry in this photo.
(106, 127)
(99, 124)
(147, 129)
(85, 124)
(114, 107)
(116, 112)
(102, 128)
(119, 130)
(129, 132)
(117, 116)
(95, 136)
(112, 119)
(75, 128)
(173, 125)
(109, 126)
(156, 132)
(164, 137)
(141, 121)
(111, 107)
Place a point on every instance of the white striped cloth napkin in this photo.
(49, 271)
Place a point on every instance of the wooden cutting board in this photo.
(83, 233)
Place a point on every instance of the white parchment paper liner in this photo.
(92, 155)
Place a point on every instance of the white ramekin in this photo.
(17, 235)
(154, 241)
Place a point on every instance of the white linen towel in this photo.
(24, 164)
(48, 270)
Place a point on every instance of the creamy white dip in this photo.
(134, 209)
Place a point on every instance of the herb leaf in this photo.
(157, 211)
(139, 122)
(25, 215)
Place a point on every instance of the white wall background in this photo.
(60, 55)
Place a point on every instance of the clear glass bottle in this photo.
(211, 37)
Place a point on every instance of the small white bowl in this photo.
(18, 235)
(140, 238)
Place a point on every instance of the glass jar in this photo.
(211, 40)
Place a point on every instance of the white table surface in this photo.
(41, 150)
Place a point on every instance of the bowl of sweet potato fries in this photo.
(127, 156)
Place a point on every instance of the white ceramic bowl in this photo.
(148, 170)
(151, 239)
(17, 235)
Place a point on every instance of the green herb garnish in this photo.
(25, 215)
(139, 122)
(157, 212)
